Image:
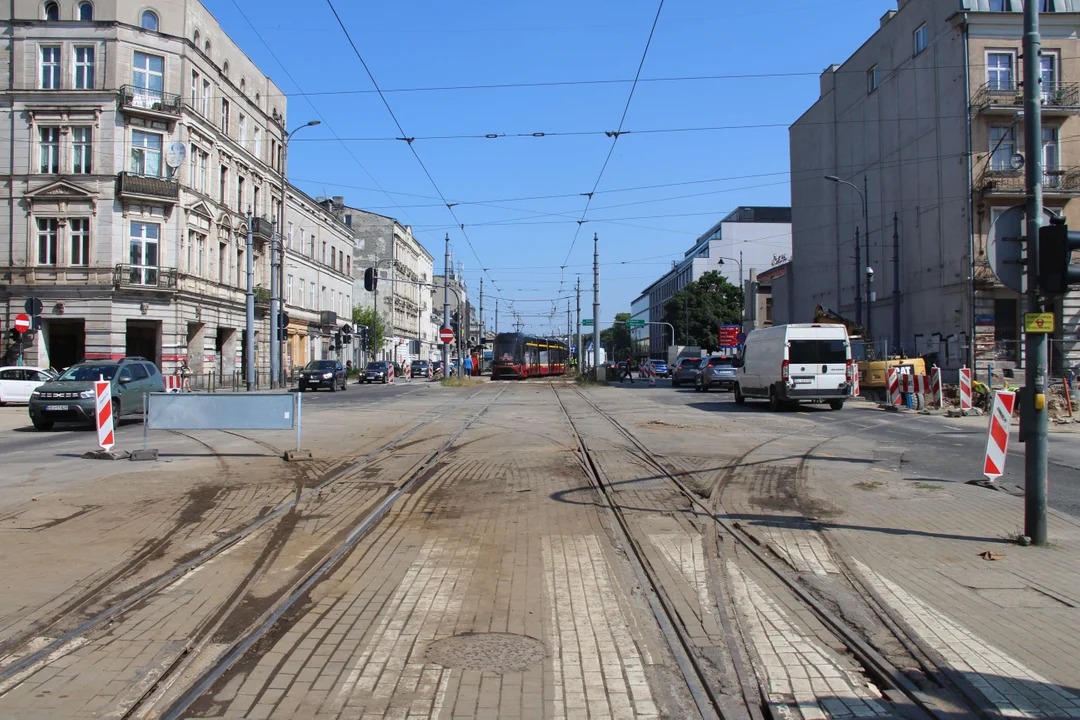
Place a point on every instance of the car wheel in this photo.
(774, 400)
(740, 399)
(345, 384)
(303, 387)
(704, 387)
(674, 383)
(116, 411)
(42, 425)
(333, 386)
(836, 404)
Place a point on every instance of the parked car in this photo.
(715, 371)
(685, 370)
(17, 382)
(420, 368)
(70, 397)
(660, 368)
(323, 373)
(791, 363)
(378, 370)
(436, 367)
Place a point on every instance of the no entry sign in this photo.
(446, 335)
(22, 322)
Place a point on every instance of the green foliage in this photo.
(377, 330)
(697, 309)
(615, 339)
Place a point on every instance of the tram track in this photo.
(31, 659)
(896, 686)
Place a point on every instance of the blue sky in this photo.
(531, 187)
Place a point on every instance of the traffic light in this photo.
(14, 335)
(371, 280)
(346, 334)
(1056, 269)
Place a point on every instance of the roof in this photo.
(759, 214)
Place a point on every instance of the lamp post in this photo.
(742, 311)
(277, 257)
(869, 271)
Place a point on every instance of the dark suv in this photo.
(70, 397)
(377, 371)
(420, 368)
(323, 373)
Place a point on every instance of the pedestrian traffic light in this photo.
(1056, 269)
(371, 280)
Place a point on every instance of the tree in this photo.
(615, 339)
(376, 329)
(697, 309)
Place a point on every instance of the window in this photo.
(206, 99)
(86, 12)
(146, 153)
(255, 199)
(311, 295)
(47, 231)
(80, 241)
(1000, 5)
(196, 84)
(288, 289)
(49, 139)
(223, 186)
(323, 249)
(920, 38)
(81, 151)
(240, 193)
(206, 48)
(225, 69)
(149, 21)
(52, 11)
(257, 141)
(84, 68)
(200, 254)
(241, 129)
(348, 265)
(1047, 6)
(999, 70)
(290, 235)
(333, 258)
(200, 170)
(138, 371)
(223, 262)
(1051, 156)
(243, 84)
(50, 68)
(1048, 76)
(224, 116)
(143, 248)
(195, 39)
(322, 298)
(871, 80)
(300, 294)
(148, 75)
(1003, 147)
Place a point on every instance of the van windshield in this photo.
(817, 352)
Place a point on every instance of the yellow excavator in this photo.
(873, 370)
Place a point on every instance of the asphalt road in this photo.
(935, 448)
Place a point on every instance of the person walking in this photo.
(626, 373)
(468, 365)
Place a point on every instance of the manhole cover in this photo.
(487, 651)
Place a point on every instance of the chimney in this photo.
(339, 201)
(887, 17)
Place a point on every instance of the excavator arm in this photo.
(823, 314)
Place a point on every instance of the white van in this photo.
(796, 363)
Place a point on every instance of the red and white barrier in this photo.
(893, 386)
(914, 384)
(104, 416)
(855, 383)
(174, 384)
(997, 441)
(390, 373)
(406, 371)
(935, 387)
(965, 389)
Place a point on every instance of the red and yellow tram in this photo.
(520, 356)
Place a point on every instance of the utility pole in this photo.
(480, 332)
(595, 307)
(896, 280)
(580, 352)
(858, 279)
(1034, 397)
(249, 331)
(496, 316)
(869, 271)
(275, 308)
(568, 325)
(446, 308)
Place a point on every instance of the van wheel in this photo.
(774, 400)
(836, 404)
(740, 399)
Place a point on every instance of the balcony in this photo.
(1058, 98)
(1060, 181)
(262, 229)
(149, 103)
(145, 277)
(132, 186)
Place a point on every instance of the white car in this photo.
(17, 382)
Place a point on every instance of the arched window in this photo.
(243, 84)
(257, 98)
(206, 48)
(225, 69)
(52, 11)
(149, 21)
(196, 39)
(86, 12)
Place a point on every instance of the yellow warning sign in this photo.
(1038, 322)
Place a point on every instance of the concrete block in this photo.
(297, 455)
(144, 455)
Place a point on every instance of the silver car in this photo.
(685, 371)
(715, 371)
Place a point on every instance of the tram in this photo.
(520, 356)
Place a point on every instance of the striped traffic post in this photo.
(894, 396)
(390, 372)
(965, 389)
(997, 441)
(935, 387)
(104, 415)
(855, 383)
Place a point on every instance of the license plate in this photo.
(803, 381)
(57, 408)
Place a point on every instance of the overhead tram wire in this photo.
(408, 140)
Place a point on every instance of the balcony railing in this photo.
(147, 277)
(1060, 180)
(262, 295)
(1060, 95)
(147, 187)
(144, 100)
(262, 228)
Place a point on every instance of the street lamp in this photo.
(858, 269)
(742, 311)
(277, 269)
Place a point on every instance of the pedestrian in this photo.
(468, 364)
(626, 373)
(185, 376)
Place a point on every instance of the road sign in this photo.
(727, 336)
(997, 441)
(103, 414)
(635, 323)
(446, 335)
(22, 322)
(32, 306)
(1033, 322)
(586, 321)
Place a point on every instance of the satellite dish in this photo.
(174, 156)
(1017, 161)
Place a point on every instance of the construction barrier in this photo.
(965, 389)
(174, 384)
(390, 373)
(855, 383)
(893, 390)
(406, 373)
(935, 387)
(997, 441)
(104, 416)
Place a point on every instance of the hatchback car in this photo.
(323, 373)
(378, 371)
(70, 397)
(17, 382)
(660, 368)
(715, 371)
(685, 371)
(420, 368)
